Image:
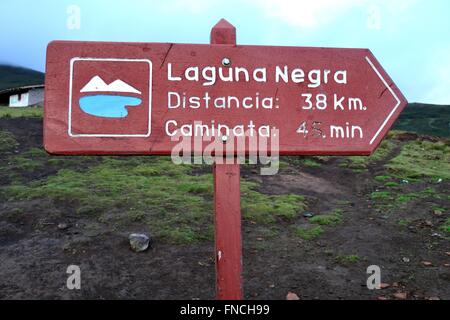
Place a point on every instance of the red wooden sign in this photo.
(141, 98)
(134, 98)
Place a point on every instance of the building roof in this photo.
(23, 88)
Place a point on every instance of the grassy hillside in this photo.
(11, 76)
(425, 119)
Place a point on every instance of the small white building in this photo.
(26, 96)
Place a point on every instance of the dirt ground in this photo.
(35, 253)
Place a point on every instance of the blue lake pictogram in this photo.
(108, 105)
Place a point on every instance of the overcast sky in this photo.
(411, 38)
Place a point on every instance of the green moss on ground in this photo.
(267, 209)
(310, 161)
(332, 219)
(29, 112)
(381, 195)
(419, 159)
(175, 203)
(348, 259)
(360, 163)
(309, 233)
(384, 178)
(8, 142)
(446, 226)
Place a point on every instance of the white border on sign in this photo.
(392, 92)
(106, 135)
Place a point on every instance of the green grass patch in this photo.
(267, 209)
(383, 178)
(405, 198)
(332, 219)
(309, 233)
(120, 191)
(8, 142)
(28, 112)
(35, 152)
(404, 223)
(392, 184)
(429, 191)
(311, 162)
(422, 159)
(24, 164)
(360, 163)
(348, 259)
(446, 226)
(173, 201)
(439, 209)
(381, 195)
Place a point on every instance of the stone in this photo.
(427, 264)
(308, 214)
(292, 296)
(63, 226)
(139, 242)
(438, 213)
(401, 295)
(384, 285)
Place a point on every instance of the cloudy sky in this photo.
(411, 38)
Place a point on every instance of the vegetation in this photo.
(382, 178)
(11, 77)
(267, 209)
(381, 195)
(308, 233)
(348, 259)
(392, 184)
(311, 162)
(425, 119)
(8, 142)
(446, 226)
(175, 203)
(419, 159)
(29, 112)
(404, 222)
(331, 219)
(360, 163)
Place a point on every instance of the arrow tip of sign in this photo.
(223, 33)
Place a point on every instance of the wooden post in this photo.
(227, 205)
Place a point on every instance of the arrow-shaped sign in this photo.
(306, 101)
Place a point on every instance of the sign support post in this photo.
(227, 207)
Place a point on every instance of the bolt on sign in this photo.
(142, 98)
